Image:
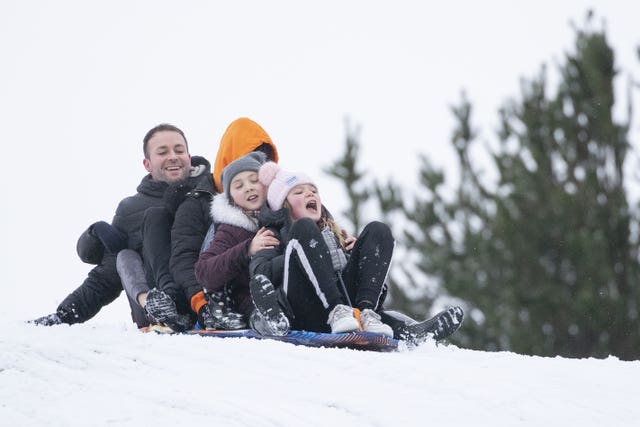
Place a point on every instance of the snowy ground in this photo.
(108, 373)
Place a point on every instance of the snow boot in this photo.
(161, 309)
(217, 314)
(438, 327)
(62, 315)
(268, 318)
(48, 320)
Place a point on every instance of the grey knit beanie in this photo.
(249, 162)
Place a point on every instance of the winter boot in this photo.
(217, 314)
(62, 315)
(48, 320)
(341, 319)
(162, 309)
(438, 327)
(267, 327)
(268, 318)
(370, 321)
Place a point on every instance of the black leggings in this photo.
(312, 286)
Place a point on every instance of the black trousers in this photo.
(156, 254)
(312, 286)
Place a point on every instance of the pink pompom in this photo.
(268, 173)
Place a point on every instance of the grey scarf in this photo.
(338, 257)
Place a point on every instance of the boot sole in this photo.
(438, 327)
(265, 298)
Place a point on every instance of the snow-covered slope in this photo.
(110, 374)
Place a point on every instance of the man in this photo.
(167, 159)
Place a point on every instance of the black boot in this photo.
(162, 309)
(48, 320)
(217, 314)
(62, 315)
(269, 318)
(438, 327)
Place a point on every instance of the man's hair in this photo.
(160, 128)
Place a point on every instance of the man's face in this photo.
(169, 159)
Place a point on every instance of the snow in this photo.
(86, 80)
(109, 373)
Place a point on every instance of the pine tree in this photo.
(389, 197)
(347, 170)
(545, 258)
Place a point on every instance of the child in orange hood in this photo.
(193, 227)
(242, 136)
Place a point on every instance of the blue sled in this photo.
(352, 340)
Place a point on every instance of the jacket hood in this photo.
(199, 166)
(241, 137)
(151, 187)
(223, 213)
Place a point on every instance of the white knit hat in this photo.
(279, 183)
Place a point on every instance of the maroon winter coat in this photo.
(225, 264)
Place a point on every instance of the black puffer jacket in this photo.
(190, 226)
(103, 285)
(89, 247)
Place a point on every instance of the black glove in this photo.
(175, 195)
(113, 240)
(90, 249)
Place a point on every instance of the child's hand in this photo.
(349, 240)
(264, 239)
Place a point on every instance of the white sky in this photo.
(81, 82)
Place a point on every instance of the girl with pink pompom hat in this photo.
(329, 281)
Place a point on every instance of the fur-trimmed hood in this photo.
(223, 213)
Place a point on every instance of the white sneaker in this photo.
(371, 322)
(341, 319)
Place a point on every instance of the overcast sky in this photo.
(81, 83)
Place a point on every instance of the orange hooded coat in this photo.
(242, 136)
